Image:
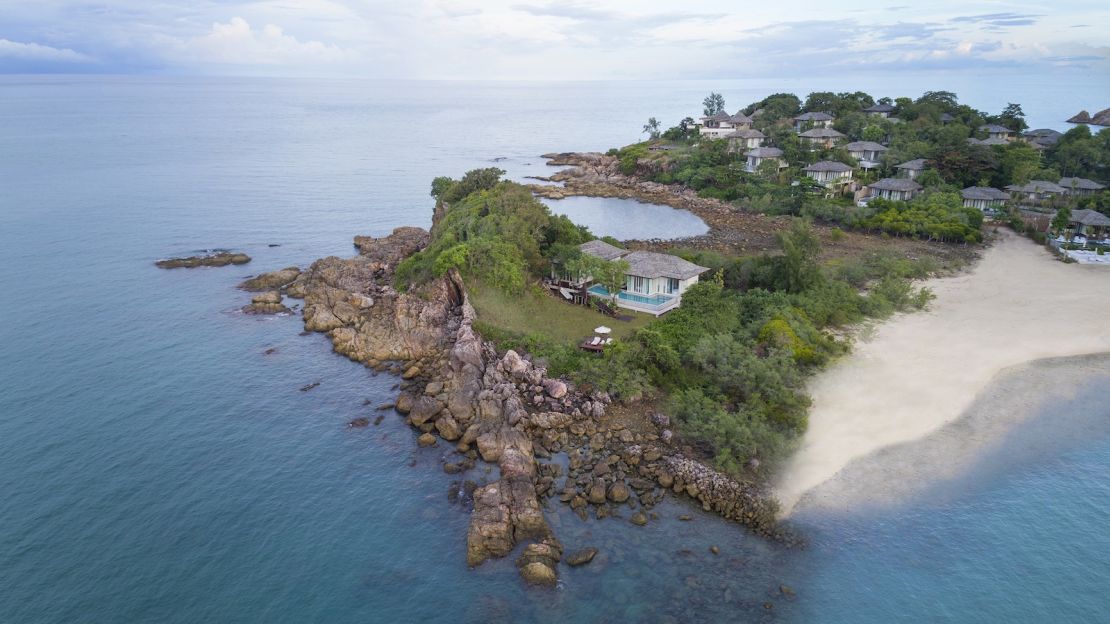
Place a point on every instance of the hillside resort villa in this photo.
(654, 282)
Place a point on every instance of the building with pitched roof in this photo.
(654, 282)
(867, 153)
(897, 189)
(829, 172)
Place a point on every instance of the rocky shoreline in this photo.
(503, 409)
(218, 259)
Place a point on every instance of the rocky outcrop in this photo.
(222, 258)
(271, 281)
(266, 303)
(402, 243)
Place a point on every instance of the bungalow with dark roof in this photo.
(760, 155)
(946, 118)
(1081, 186)
(818, 138)
(1037, 191)
(984, 197)
(1089, 224)
(722, 124)
(897, 189)
(829, 172)
(654, 282)
(805, 121)
(880, 110)
(995, 131)
(868, 153)
(744, 139)
(911, 168)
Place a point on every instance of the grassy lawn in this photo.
(537, 313)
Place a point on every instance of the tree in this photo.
(713, 103)
(946, 100)
(1062, 219)
(1013, 117)
(800, 248)
(610, 274)
(652, 128)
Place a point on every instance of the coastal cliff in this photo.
(504, 409)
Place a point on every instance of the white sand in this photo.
(920, 371)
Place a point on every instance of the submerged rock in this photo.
(266, 303)
(581, 557)
(222, 258)
(272, 280)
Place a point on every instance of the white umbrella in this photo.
(602, 330)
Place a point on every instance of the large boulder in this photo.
(266, 303)
(555, 388)
(272, 280)
(222, 258)
(618, 492)
(424, 409)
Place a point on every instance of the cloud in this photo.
(35, 52)
(999, 20)
(237, 43)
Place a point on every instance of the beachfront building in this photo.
(1089, 225)
(744, 139)
(829, 172)
(821, 138)
(1081, 186)
(897, 189)
(984, 198)
(807, 121)
(1037, 191)
(722, 124)
(867, 153)
(760, 155)
(880, 110)
(911, 168)
(987, 142)
(995, 131)
(654, 282)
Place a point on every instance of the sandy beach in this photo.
(919, 372)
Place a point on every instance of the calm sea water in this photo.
(157, 466)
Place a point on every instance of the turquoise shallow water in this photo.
(157, 466)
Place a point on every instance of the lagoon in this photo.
(629, 219)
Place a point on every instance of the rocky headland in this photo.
(503, 409)
(218, 259)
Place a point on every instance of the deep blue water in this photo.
(157, 466)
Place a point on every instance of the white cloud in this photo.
(237, 43)
(39, 52)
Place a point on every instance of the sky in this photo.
(561, 40)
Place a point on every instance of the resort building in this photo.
(1042, 138)
(829, 172)
(880, 110)
(987, 142)
(744, 139)
(867, 153)
(654, 282)
(821, 137)
(946, 118)
(1091, 225)
(897, 189)
(722, 124)
(760, 155)
(806, 121)
(1037, 191)
(1081, 186)
(995, 131)
(984, 198)
(911, 168)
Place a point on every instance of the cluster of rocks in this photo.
(221, 258)
(268, 302)
(270, 287)
(599, 175)
(499, 408)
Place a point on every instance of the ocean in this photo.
(157, 465)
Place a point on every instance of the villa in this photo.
(1090, 225)
(1081, 186)
(946, 118)
(760, 155)
(806, 121)
(744, 139)
(911, 168)
(654, 282)
(984, 197)
(880, 110)
(829, 172)
(995, 131)
(896, 189)
(867, 153)
(821, 137)
(1037, 191)
(722, 124)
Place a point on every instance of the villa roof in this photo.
(865, 146)
(740, 117)
(917, 164)
(654, 265)
(1044, 133)
(746, 133)
(896, 184)
(992, 141)
(983, 192)
(1090, 217)
(828, 165)
(1037, 186)
(764, 152)
(1081, 183)
(721, 116)
(821, 133)
(602, 249)
(879, 108)
(947, 117)
(995, 129)
(814, 117)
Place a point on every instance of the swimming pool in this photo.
(657, 300)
